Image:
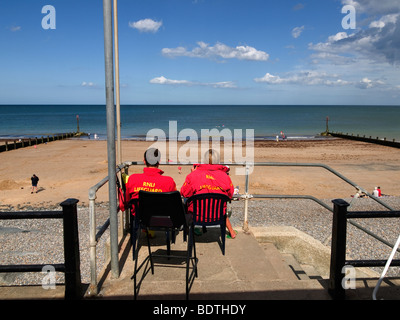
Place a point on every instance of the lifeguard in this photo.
(209, 177)
(151, 179)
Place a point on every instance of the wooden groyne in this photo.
(384, 141)
(22, 143)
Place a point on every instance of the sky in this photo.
(266, 52)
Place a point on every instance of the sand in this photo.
(69, 168)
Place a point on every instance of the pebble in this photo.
(40, 241)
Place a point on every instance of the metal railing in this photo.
(338, 248)
(71, 266)
(94, 238)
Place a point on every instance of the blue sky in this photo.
(204, 52)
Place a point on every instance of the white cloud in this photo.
(88, 84)
(146, 25)
(366, 83)
(298, 7)
(378, 42)
(296, 32)
(319, 78)
(373, 7)
(164, 81)
(15, 28)
(304, 78)
(220, 50)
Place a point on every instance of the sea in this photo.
(138, 122)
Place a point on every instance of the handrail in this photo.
(387, 265)
(71, 265)
(355, 224)
(246, 197)
(339, 236)
(269, 196)
(93, 236)
(321, 165)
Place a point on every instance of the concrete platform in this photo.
(247, 271)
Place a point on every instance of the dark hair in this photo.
(152, 157)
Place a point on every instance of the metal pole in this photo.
(116, 48)
(111, 154)
(116, 51)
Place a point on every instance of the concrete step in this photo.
(247, 271)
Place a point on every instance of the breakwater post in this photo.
(22, 143)
(390, 143)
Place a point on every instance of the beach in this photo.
(69, 168)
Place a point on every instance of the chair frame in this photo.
(164, 211)
(204, 204)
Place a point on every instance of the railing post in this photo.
(126, 218)
(338, 249)
(93, 290)
(246, 201)
(73, 286)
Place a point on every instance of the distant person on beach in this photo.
(376, 193)
(210, 177)
(35, 181)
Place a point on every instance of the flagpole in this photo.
(116, 48)
(110, 111)
(118, 109)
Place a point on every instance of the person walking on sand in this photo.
(35, 181)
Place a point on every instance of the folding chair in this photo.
(133, 224)
(164, 211)
(210, 209)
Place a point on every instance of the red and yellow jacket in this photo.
(150, 180)
(208, 178)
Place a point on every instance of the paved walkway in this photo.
(247, 271)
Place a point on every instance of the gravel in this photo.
(41, 241)
(316, 221)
